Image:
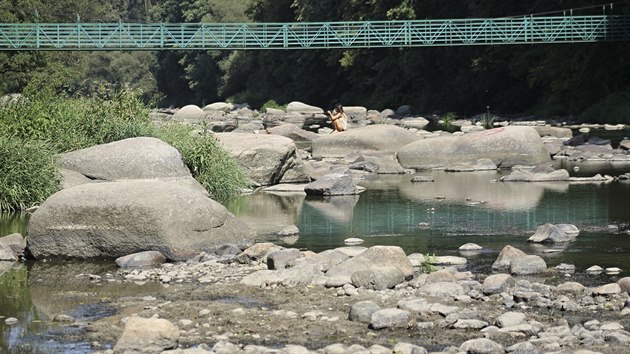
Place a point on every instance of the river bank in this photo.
(213, 310)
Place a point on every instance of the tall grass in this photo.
(36, 128)
(209, 163)
(28, 173)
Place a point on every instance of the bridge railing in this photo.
(369, 34)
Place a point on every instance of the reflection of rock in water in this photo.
(337, 208)
(268, 213)
(462, 188)
(6, 266)
(61, 287)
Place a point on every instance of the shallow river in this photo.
(434, 217)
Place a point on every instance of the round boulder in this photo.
(134, 158)
(115, 219)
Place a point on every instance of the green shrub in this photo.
(209, 163)
(28, 173)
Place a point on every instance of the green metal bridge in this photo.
(313, 35)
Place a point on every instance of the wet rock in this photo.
(141, 259)
(362, 311)
(337, 182)
(549, 233)
(147, 335)
(390, 318)
(497, 283)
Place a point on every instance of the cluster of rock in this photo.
(381, 148)
(498, 313)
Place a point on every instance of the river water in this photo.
(433, 217)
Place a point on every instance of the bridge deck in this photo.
(368, 34)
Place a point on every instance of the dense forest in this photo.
(590, 80)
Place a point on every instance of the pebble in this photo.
(353, 241)
(10, 321)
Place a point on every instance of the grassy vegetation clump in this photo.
(209, 163)
(44, 123)
(28, 173)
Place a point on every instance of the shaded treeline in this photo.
(590, 80)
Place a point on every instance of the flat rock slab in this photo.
(381, 137)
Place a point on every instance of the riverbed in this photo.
(430, 218)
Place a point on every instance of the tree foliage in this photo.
(589, 79)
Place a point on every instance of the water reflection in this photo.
(476, 187)
(36, 293)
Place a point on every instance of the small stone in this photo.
(353, 241)
(11, 321)
(482, 345)
(470, 247)
(594, 270)
(608, 289)
(63, 318)
(613, 270)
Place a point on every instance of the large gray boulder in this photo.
(266, 158)
(506, 147)
(506, 256)
(549, 233)
(379, 137)
(134, 158)
(115, 219)
(190, 113)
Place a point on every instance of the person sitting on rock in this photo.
(339, 119)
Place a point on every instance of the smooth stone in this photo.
(389, 318)
(497, 283)
(608, 289)
(594, 269)
(353, 241)
(482, 346)
(470, 247)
